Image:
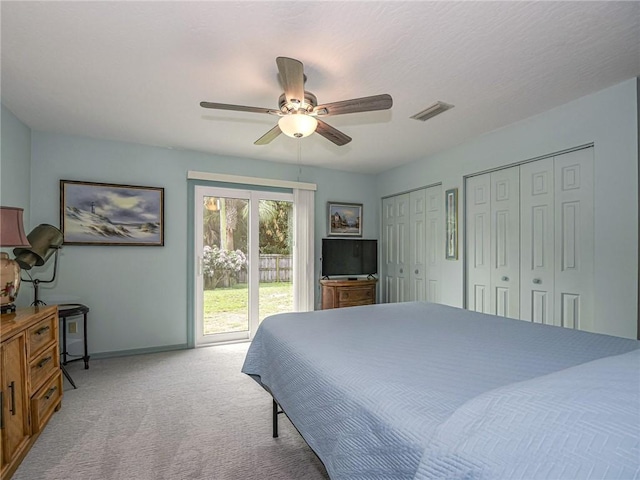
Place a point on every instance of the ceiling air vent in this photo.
(429, 112)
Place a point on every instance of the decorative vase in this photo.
(9, 282)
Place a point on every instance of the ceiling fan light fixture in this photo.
(297, 125)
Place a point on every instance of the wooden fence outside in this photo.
(273, 268)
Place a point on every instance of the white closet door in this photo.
(388, 249)
(417, 246)
(478, 245)
(396, 248)
(505, 251)
(537, 262)
(434, 242)
(402, 250)
(574, 247)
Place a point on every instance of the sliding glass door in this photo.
(243, 244)
(275, 262)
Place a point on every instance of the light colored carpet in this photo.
(186, 414)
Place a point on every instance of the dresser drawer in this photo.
(42, 366)
(355, 295)
(45, 401)
(41, 334)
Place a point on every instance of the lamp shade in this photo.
(297, 125)
(11, 235)
(11, 228)
(45, 240)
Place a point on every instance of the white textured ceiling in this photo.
(136, 71)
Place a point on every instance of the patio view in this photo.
(226, 288)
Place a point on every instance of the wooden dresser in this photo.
(348, 293)
(31, 380)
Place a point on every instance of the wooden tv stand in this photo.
(348, 293)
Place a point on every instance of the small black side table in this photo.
(65, 311)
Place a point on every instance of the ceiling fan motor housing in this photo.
(310, 102)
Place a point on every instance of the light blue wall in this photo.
(15, 164)
(609, 120)
(138, 295)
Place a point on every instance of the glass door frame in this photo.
(253, 259)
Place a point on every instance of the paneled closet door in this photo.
(388, 249)
(493, 242)
(402, 250)
(537, 262)
(417, 245)
(412, 245)
(574, 242)
(395, 237)
(434, 241)
(505, 236)
(478, 244)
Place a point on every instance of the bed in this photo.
(419, 390)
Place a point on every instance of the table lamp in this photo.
(11, 235)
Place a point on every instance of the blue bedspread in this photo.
(372, 389)
(582, 422)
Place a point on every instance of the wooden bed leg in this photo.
(275, 419)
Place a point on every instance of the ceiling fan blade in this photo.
(238, 108)
(269, 136)
(332, 134)
(365, 104)
(292, 78)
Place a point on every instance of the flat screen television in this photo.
(349, 256)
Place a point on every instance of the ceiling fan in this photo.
(299, 111)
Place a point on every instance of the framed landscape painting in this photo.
(344, 219)
(110, 214)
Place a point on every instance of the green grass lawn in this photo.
(225, 309)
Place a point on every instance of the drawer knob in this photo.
(41, 330)
(12, 387)
(44, 361)
(50, 392)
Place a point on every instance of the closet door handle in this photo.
(505, 279)
(416, 271)
(537, 281)
(401, 270)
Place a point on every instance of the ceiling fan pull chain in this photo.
(299, 158)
